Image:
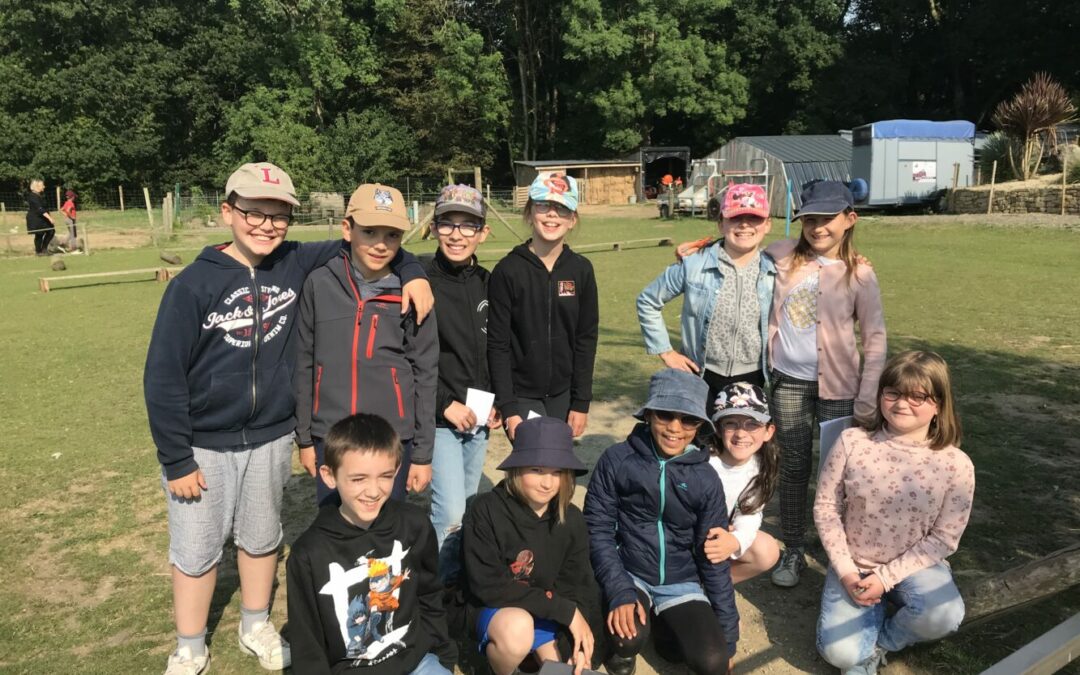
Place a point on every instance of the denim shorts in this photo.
(671, 595)
(544, 630)
(244, 486)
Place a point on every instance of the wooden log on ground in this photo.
(1045, 655)
(170, 257)
(991, 596)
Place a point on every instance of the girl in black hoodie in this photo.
(526, 556)
(543, 316)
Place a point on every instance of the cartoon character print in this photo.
(366, 598)
(743, 396)
(744, 198)
(522, 566)
(557, 183)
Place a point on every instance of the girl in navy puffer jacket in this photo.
(651, 503)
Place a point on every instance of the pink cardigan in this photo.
(840, 305)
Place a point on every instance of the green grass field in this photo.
(83, 572)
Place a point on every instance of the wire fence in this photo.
(128, 206)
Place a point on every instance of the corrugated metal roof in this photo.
(817, 148)
(574, 162)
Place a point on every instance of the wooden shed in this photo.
(599, 181)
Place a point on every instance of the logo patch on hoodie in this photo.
(567, 289)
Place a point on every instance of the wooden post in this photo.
(1064, 173)
(120, 189)
(488, 188)
(3, 225)
(449, 175)
(85, 238)
(955, 180)
(149, 215)
(477, 177)
(993, 178)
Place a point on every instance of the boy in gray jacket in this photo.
(357, 353)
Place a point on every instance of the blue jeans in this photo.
(429, 665)
(928, 604)
(456, 467)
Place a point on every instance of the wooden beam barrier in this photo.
(159, 274)
(1046, 654)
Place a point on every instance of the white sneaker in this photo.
(265, 642)
(181, 662)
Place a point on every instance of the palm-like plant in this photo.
(1040, 105)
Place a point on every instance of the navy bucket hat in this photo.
(677, 391)
(544, 441)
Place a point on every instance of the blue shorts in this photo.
(544, 630)
(671, 595)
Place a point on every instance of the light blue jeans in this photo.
(928, 604)
(429, 665)
(456, 466)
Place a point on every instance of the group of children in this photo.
(335, 343)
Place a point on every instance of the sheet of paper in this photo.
(532, 414)
(830, 433)
(480, 402)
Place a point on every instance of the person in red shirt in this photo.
(68, 209)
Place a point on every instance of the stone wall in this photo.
(1016, 200)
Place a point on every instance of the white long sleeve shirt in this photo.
(735, 479)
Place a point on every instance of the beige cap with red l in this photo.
(375, 205)
(262, 180)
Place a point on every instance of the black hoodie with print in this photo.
(514, 558)
(542, 329)
(367, 601)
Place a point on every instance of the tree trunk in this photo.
(989, 597)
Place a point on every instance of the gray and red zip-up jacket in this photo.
(356, 353)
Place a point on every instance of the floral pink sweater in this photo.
(891, 507)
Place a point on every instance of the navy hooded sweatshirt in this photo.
(219, 367)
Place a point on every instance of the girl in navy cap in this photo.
(651, 503)
(823, 289)
(528, 586)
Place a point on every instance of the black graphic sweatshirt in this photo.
(514, 558)
(366, 601)
(542, 329)
(462, 298)
(219, 367)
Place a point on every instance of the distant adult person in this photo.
(39, 221)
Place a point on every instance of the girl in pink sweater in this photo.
(823, 288)
(893, 499)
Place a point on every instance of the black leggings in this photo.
(42, 239)
(688, 632)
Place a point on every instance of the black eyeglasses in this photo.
(560, 210)
(688, 421)
(467, 230)
(256, 218)
(914, 398)
(748, 425)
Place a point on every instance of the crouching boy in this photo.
(363, 587)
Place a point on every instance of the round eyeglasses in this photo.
(914, 398)
(561, 210)
(256, 218)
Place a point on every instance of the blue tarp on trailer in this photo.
(959, 129)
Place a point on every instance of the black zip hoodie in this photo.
(219, 366)
(542, 329)
(358, 354)
(514, 558)
(367, 600)
(462, 298)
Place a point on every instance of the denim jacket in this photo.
(699, 277)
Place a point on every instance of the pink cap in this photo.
(745, 198)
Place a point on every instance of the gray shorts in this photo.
(242, 498)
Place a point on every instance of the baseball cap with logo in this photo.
(262, 180)
(461, 198)
(375, 205)
(745, 199)
(556, 187)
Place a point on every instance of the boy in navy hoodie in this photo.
(357, 352)
(364, 594)
(221, 409)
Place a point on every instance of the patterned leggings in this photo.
(794, 407)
